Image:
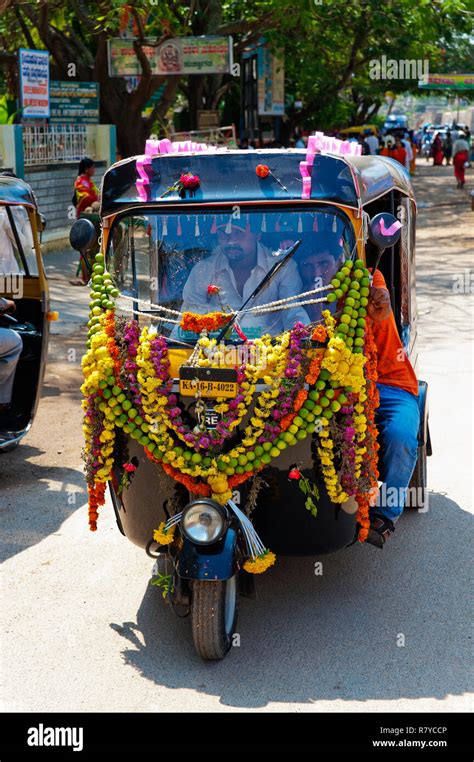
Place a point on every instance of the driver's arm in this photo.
(6, 304)
(379, 307)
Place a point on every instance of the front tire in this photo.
(213, 616)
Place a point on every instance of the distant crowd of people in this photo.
(400, 145)
(444, 148)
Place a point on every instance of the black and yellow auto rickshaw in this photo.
(209, 419)
(23, 282)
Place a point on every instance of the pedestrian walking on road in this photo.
(394, 149)
(437, 151)
(365, 146)
(448, 148)
(460, 157)
(405, 141)
(373, 142)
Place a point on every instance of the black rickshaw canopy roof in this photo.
(230, 176)
(13, 190)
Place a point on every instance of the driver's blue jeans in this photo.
(398, 420)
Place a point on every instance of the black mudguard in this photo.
(210, 562)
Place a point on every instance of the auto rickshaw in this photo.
(23, 280)
(206, 416)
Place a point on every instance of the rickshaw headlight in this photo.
(204, 521)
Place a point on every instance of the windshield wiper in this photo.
(264, 282)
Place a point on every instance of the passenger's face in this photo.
(238, 244)
(319, 267)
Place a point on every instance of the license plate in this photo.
(210, 382)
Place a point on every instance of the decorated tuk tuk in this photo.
(230, 382)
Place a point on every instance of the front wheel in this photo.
(213, 616)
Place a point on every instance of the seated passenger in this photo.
(10, 350)
(316, 270)
(237, 267)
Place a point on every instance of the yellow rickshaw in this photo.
(23, 281)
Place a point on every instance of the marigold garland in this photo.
(370, 443)
(127, 385)
(212, 321)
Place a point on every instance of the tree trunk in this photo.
(195, 98)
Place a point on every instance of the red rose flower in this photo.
(295, 474)
(212, 289)
(190, 181)
(129, 467)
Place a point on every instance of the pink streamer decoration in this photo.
(160, 148)
(319, 143)
(392, 229)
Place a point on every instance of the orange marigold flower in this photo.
(212, 321)
(300, 398)
(320, 333)
(286, 421)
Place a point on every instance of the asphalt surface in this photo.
(82, 629)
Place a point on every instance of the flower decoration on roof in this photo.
(165, 146)
(263, 171)
(321, 143)
(187, 182)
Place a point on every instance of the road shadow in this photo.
(310, 638)
(49, 495)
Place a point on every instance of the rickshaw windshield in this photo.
(17, 253)
(206, 262)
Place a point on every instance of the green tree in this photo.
(77, 31)
(328, 60)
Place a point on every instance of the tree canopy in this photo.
(327, 46)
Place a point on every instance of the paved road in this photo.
(83, 630)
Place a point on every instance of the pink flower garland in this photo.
(199, 441)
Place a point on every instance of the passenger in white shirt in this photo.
(373, 142)
(409, 150)
(237, 267)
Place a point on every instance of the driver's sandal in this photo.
(380, 530)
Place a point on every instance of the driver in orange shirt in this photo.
(398, 416)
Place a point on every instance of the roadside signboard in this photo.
(448, 82)
(34, 83)
(271, 83)
(179, 55)
(74, 102)
(206, 119)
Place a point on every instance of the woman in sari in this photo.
(85, 191)
(437, 151)
(460, 157)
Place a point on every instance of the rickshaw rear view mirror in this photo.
(384, 230)
(82, 235)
